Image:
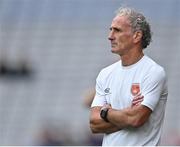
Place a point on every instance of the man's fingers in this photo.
(139, 94)
(107, 105)
(137, 100)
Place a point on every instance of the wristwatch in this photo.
(103, 113)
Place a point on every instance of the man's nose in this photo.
(111, 36)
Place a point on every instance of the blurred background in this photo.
(50, 54)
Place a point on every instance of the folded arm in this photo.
(134, 116)
(98, 125)
(130, 117)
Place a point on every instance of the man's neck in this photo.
(130, 59)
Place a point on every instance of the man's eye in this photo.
(117, 30)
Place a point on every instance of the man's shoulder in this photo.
(153, 64)
(154, 68)
(106, 71)
(111, 67)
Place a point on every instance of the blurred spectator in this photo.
(49, 135)
(21, 69)
(93, 139)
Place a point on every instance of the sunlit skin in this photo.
(124, 41)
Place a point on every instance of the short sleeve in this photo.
(154, 87)
(99, 99)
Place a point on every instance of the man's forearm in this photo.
(98, 125)
(103, 127)
(133, 116)
(129, 117)
(118, 118)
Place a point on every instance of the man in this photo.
(131, 94)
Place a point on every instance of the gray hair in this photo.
(138, 23)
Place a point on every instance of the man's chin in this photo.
(113, 51)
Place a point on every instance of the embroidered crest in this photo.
(135, 89)
(107, 90)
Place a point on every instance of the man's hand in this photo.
(106, 106)
(137, 100)
(98, 125)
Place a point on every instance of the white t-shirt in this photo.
(116, 85)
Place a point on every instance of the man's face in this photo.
(121, 35)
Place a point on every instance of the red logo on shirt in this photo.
(135, 89)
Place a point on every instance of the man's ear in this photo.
(137, 36)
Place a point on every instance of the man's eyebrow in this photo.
(115, 28)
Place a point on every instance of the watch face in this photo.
(103, 113)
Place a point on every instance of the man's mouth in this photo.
(113, 44)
